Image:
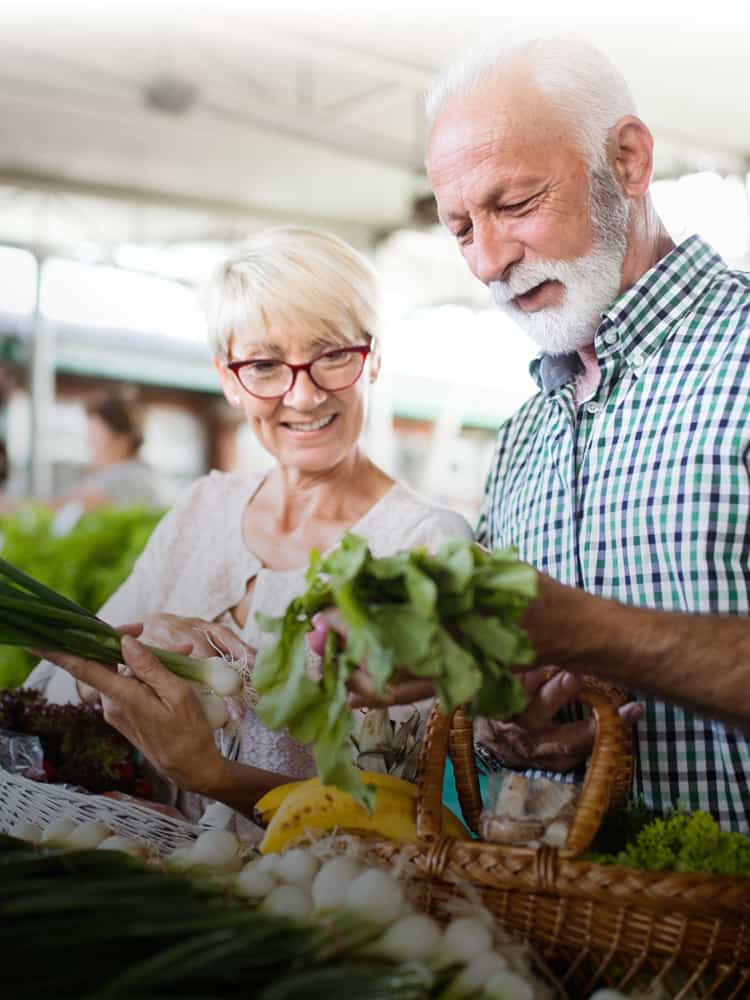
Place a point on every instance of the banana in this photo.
(313, 806)
(310, 805)
(265, 807)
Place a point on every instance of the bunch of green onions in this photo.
(36, 617)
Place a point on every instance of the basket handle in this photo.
(608, 777)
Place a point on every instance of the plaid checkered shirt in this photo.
(643, 493)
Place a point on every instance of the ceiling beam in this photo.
(234, 211)
(297, 46)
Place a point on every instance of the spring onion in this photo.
(34, 616)
(289, 901)
(89, 834)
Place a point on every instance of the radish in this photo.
(181, 857)
(217, 849)
(123, 844)
(463, 939)
(478, 972)
(297, 866)
(58, 830)
(214, 709)
(330, 884)
(269, 864)
(24, 830)
(253, 882)
(412, 938)
(88, 835)
(375, 896)
(508, 986)
(289, 901)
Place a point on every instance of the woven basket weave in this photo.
(36, 802)
(616, 922)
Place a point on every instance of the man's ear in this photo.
(630, 150)
(228, 382)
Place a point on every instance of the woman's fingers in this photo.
(323, 622)
(225, 641)
(196, 636)
(97, 675)
(132, 628)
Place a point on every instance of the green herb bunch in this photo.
(685, 842)
(451, 617)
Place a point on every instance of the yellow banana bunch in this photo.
(290, 810)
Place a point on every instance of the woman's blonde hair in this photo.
(296, 275)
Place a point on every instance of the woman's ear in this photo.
(228, 382)
(631, 155)
(374, 366)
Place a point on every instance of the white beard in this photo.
(590, 283)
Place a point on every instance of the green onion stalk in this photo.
(36, 617)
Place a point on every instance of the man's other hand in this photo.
(534, 738)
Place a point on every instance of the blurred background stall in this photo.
(139, 143)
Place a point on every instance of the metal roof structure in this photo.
(178, 122)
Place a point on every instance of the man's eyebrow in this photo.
(493, 195)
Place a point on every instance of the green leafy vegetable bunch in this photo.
(80, 747)
(86, 565)
(686, 842)
(451, 617)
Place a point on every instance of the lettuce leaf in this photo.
(451, 617)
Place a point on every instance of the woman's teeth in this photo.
(311, 425)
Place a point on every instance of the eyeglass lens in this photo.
(332, 371)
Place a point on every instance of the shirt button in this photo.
(610, 337)
(638, 360)
(591, 407)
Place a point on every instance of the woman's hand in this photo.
(193, 636)
(157, 711)
(362, 691)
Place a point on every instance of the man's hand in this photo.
(534, 739)
(157, 711)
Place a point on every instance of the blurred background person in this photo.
(118, 477)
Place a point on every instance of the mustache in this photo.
(523, 278)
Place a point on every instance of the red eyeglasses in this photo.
(332, 371)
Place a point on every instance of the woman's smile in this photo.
(309, 426)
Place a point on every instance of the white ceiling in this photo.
(301, 115)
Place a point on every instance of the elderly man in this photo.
(627, 473)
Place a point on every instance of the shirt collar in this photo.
(636, 324)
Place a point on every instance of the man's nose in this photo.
(493, 252)
(304, 394)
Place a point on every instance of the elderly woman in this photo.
(293, 327)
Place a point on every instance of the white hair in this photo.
(578, 80)
(296, 275)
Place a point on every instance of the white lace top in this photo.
(196, 563)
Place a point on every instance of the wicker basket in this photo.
(36, 802)
(616, 923)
